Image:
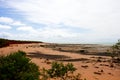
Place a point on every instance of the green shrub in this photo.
(59, 69)
(17, 66)
(116, 50)
(3, 42)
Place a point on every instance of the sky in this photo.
(61, 21)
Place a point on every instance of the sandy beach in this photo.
(91, 67)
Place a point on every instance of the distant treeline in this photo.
(6, 42)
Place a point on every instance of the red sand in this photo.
(107, 73)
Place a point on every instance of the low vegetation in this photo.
(3, 42)
(6, 42)
(17, 66)
(59, 71)
(115, 52)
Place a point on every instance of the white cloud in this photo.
(46, 32)
(5, 35)
(27, 28)
(6, 20)
(55, 33)
(100, 16)
(77, 12)
(10, 21)
(5, 27)
(17, 23)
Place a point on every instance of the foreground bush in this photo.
(59, 71)
(17, 66)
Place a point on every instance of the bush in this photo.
(116, 50)
(3, 42)
(17, 66)
(59, 69)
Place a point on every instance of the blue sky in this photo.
(61, 21)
